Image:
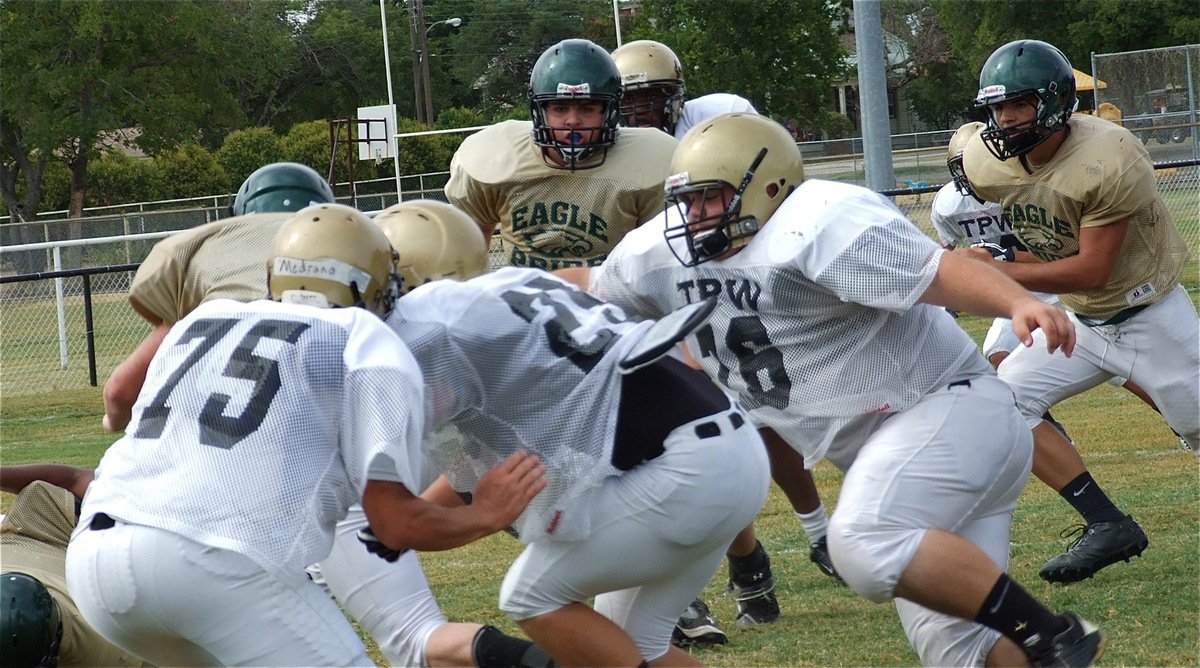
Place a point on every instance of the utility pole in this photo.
(422, 36)
(415, 33)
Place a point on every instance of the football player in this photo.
(225, 259)
(564, 187)
(222, 259)
(258, 426)
(1082, 198)
(39, 623)
(823, 290)
(961, 219)
(655, 97)
(651, 469)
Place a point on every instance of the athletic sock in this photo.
(755, 562)
(1085, 496)
(814, 524)
(1010, 610)
(491, 648)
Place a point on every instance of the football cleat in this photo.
(1099, 544)
(1077, 647)
(754, 590)
(696, 626)
(818, 553)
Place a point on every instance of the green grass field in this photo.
(1150, 607)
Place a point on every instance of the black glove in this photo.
(368, 538)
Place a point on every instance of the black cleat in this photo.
(754, 589)
(1077, 647)
(696, 626)
(1099, 544)
(818, 553)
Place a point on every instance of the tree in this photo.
(75, 70)
(783, 55)
(485, 64)
(951, 39)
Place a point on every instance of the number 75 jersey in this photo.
(817, 329)
(259, 425)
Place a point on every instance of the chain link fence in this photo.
(51, 325)
(1153, 93)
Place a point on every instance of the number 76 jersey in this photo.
(817, 329)
(259, 425)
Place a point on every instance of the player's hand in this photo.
(375, 547)
(974, 253)
(506, 489)
(1032, 314)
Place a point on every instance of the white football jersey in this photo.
(709, 106)
(519, 359)
(259, 425)
(962, 220)
(817, 330)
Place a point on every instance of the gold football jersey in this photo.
(33, 540)
(1100, 175)
(226, 259)
(552, 218)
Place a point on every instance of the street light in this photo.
(421, 56)
(453, 23)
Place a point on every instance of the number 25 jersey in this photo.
(259, 425)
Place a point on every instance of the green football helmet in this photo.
(1022, 68)
(281, 186)
(575, 69)
(30, 622)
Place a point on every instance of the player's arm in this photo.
(1089, 269)
(126, 380)
(75, 480)
(965, 284)
(401, 520)
(577, 276)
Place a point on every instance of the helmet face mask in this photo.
(433, 241)
(281, 186)
(747, 162)
(954, 159)
(30, 622)
(575, 70)
(331, 255)
(1037, 73)
(653, 80)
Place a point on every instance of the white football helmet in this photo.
(752, 155)
(433, 240)
(332, 255)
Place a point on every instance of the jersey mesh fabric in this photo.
(551, 218)
(226, 259)
(817, 323)
(33, 540)
(1100, 175)
(518, 359)
(256, 428)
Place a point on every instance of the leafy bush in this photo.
(116, 178)
(191, 171)
(244, 151)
